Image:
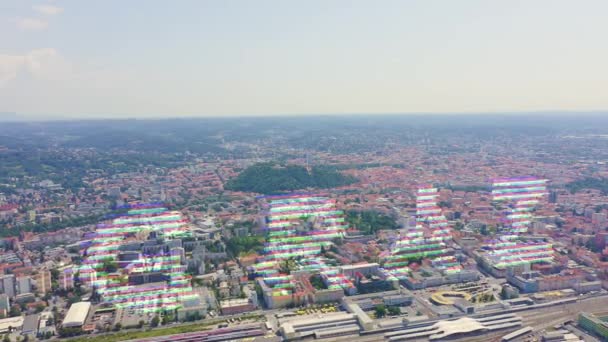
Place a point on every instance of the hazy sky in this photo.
(183, 58)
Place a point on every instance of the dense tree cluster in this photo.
(70, 332)
(51, 227)
(380, 310)
(270, 178)
(588, 183)
(68, 168)
(242, 245)
(317, 282)
(369, 222)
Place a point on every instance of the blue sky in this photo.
(188, 58)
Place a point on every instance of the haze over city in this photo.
(117, 59)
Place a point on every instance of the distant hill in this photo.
(588, 183)
(270, 178)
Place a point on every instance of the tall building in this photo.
(7, 282)
(521, 196)
(299, 228)
(132, 290)
(553, 197)
(300, 225)
(427, 240)
(31, 215)
(66, 279)
(5, 304)
(24, 285)
(43, 281)
(179, 251)
(598, 220)
(88, 275)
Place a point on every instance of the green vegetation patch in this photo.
(244, 245)
(51, 227)
(369, 222)
(270, 178)
(588, 183)
(317, 282)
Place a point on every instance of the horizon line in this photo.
(130, 117)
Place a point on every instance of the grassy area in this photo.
(136, 334)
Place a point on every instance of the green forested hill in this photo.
(588, 183)
(269, 178)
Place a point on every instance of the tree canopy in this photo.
(246, 244)
(270, 178)
(369, 222)
(588, 183)
(380, 310)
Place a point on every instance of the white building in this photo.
(15, 323)
(77, 315)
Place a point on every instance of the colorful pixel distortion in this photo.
(298, 227)
(173, 285)
(522, 194)
(525, 193)
(427, 240)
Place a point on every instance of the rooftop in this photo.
(77, 314)
(460, 326)
(30, 324)
(14, 322)
(234, 302)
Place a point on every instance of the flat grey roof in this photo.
(30, 324)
